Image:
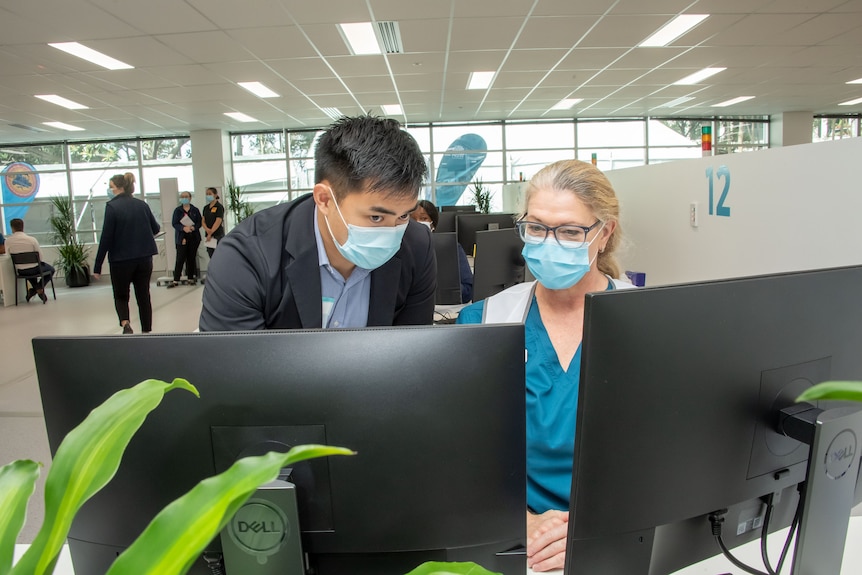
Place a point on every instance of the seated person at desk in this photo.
(19, 243)
(570, 228)
(345, 255)
(426, 213)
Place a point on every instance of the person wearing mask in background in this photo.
(187, 222)
(19, 243)
(345, 255)
(2, 245)
(426, 213)
(213, 221)
(128, 241)
(570, 227)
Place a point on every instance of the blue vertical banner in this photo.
(20, 183)
(459, 164)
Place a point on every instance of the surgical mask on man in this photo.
(556, 267)
(368, 247)
(185, 201)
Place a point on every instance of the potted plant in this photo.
(240, 208)
(481, 196)
(72, 254)
(88, 458)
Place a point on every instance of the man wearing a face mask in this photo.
(346, 255)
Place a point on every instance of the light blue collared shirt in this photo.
(344, 303)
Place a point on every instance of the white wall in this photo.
(790, 208)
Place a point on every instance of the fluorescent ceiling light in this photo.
(674, 29)
(677, 102)
(698, 76)
(851, 102)
(62, 126)
(480, 80)
(392, 109)
(61, 101)
(258, 89)
(333, 113)
(857, 81)
(240, 117)
(360, 38)
(567, 103)
(90, 55)
(732, 102)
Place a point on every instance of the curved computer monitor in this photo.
(498, 263)
(466, 226)
(435, 414)
(679, 397)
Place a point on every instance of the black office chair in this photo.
(31, 258)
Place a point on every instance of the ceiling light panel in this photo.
(677, 102)
(856, 81)
(240, 117)
(258, 89)
(673, 30)
(392, 109)
(480, 80)
(733, 101)
(851, 102)
(333, 113)
(360, 38)
(567, 103)
(62, 126)
(699, 76)
(61, 101)
(90, 55)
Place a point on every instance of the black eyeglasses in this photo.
(568, 235)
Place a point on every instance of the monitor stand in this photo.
(833, 467)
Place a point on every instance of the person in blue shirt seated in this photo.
(426, 213)
(570, 227)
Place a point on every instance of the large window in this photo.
(836, 127)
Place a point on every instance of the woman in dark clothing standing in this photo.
(187, 224)
(128, 241)
(213, 219)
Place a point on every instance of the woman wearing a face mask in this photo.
(570, 227)
(187, 222)
(426, 213)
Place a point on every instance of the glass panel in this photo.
(113, 155)
(422, 135)
(41, 157)
(533, 136)
(258, 145)
(607, 134)
(185, 181)
(661, 155)
(675, 132)
(476, 137)
(302, 143)
(746, 134)
(526, 163)
(613, 158)
(261, 176)
(90, 216)
(834, 129)
(163, 150)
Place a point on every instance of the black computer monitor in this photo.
(679, 396)
(446, 222)
(448, 269)
(498, 263)
(467, 208)
(466, 226)
(440, 469)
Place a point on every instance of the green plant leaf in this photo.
(841, 390)
(86, 460)
(181, 531)
(17, 482)
(441, 568)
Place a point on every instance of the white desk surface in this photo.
(749, 553)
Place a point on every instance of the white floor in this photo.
(79, 311)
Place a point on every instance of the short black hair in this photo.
(431, 210)
(17, 224)
(366, 152)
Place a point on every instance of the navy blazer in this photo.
(195, 215)
(128, 231)
(265, 274)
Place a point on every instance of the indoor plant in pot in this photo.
(72, 254)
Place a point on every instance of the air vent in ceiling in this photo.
(390, 37)
(28, 128)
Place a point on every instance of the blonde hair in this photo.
(591, 187)
(125, 182)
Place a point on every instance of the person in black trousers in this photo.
(186, 221)
(128, 241)
(213, 219)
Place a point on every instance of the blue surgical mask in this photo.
(110, 192)
(210, 198)
(185, 201)
(556, 267)
(368, 247)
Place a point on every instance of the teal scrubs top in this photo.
(552, 407)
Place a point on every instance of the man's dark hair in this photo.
(365, 152)
(17, 224)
